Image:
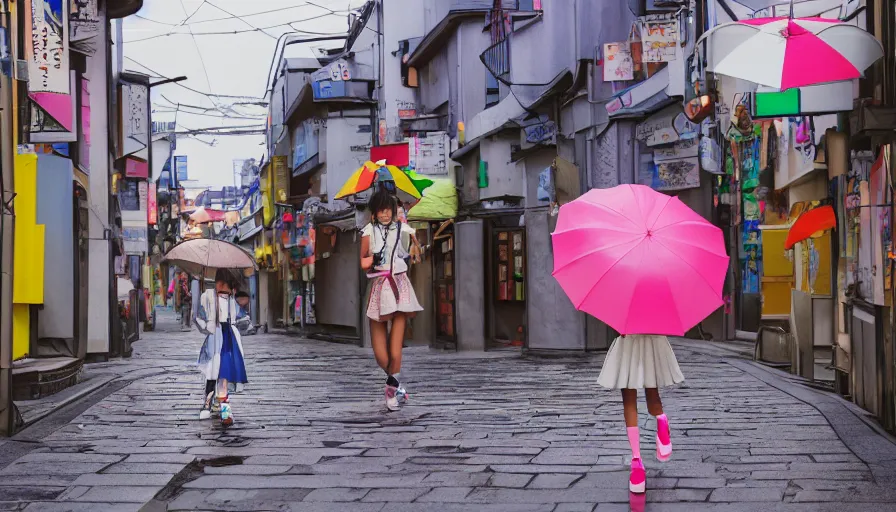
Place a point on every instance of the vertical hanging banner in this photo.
(134, 113)
(281, 178)
(143, 195)
(47, 52)
(152, 209)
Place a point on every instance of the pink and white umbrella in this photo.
(791, 52)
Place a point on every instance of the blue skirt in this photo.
(233, 368)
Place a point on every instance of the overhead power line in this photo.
(289, 24)
(259, 13)
(244, 100)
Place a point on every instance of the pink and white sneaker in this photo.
(637, 479)
(663, 439)
(391, 398)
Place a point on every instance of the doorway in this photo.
(506, 274)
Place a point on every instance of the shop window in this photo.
(492, 90)
(129, 195)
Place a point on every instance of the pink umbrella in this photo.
(639, 260)
(791, 52)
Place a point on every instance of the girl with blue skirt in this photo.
(221, 357)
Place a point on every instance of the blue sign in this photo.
(180, 166)
(328, 89)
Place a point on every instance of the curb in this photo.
(89, 388)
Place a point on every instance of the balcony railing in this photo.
(497, 58)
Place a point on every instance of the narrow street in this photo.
(482, 432)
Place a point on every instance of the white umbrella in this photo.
(784, 52)
(201, 257)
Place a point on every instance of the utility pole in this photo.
(7, 220)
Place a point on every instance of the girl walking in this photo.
(386, 243)
(639, 361)
(221, 357)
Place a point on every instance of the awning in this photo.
(439, 202)
(510, 111)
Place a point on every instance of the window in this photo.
(529, 5)
(492, 90)
(129, 195)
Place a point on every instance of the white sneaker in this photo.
(206, 411)
(391, 399)
(401, 394)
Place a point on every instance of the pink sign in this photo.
(152, 214)
(136, 168)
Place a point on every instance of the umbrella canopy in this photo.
(202, 256)
(809, 223)
(439, 202)
(369, 173)
(791, 52)
(639, 260)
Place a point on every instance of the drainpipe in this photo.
(7, 229)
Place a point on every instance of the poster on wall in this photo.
(659, 39)
(680, 174)
(47, 53)
(618, 62)
(143, 195)
(429, 153)
(180, 167)
(880, 226)
(85, 25)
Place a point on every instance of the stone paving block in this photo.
(533, 469)
(30, 493)
(247, 469)
(510, 480)
(83, 507)
(298, 482)
(143, 468)
(36, 481)
(575, 507)
(160, 458)
(733, 495)
(48, 468)
(445, 495)
(393, 496)
(337, 494)
(237, 500)
(134, 480)
(553, 481)
(449, 507)
(75, 458)
(343, 507)
(456, 479)
(120, 494)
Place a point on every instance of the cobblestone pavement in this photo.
(490, 432)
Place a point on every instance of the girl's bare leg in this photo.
(396, 341)
(378, 341)
(654, 404)
(222, 388)
(630, 407)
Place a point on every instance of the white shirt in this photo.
(383, 236)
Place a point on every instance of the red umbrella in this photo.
(809, 223)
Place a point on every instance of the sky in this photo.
(225, 49)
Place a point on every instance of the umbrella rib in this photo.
(579, 305)
(686, 262)
(589, 253)
(605, 207)
(660, 214)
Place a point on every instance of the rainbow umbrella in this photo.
(421, 183)
(369, 173)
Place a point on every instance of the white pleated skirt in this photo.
(639, 361)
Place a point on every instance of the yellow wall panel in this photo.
(21, 334)
(28, 256)
(774, 258)
(776, 297)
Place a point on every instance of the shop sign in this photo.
(85, 20)
(541, 132)
(135, 239)
(429, 153)
(47, 50)
(134, 118)
(393, 154)
(407, 110)
(659, 38)
(335, 72)
(136, 168)
(152, 208)
(659, 128)
(143, 195)
(180, 166)
(328, 89)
